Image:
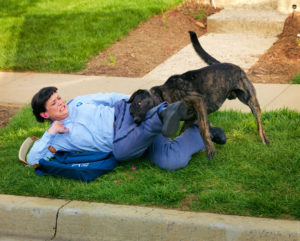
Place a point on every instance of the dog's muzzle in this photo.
(137, 120)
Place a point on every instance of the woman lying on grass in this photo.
(102, 123)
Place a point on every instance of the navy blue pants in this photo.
(132, 140)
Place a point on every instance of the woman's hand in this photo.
(57, 127)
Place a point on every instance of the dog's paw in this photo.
(264, 138)
(266, 141)
(210, 152)
(210, 155)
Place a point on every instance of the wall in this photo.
(284, 6)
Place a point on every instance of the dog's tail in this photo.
(200, 51)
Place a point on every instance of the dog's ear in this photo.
(138, 92)
(156, 90)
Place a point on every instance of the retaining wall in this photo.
(284, 6)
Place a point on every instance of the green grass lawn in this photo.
(62, 35)
(244, 178)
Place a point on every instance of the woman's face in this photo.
(56, 108)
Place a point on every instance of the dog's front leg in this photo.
(204, 130)
(203, 125)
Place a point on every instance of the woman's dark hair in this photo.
(39, 100)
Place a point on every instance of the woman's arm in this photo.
(40, 149)
(108, 99)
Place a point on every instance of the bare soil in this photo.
(282, 61)
(160, 37)
(7, 111)
(151, 43)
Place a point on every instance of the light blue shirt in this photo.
(90, 122)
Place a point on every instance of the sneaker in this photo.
(171, 117)
(217, 135)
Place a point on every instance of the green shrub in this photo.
(296, 79)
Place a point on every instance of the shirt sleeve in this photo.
(106, 98)
(40, 149)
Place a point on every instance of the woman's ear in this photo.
(44, 115)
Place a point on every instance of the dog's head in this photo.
(141, 101)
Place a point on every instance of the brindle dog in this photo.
(204, 91)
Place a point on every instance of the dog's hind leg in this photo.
(255, 108)
(249, 98)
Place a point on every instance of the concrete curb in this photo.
(29, 218)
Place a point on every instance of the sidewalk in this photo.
(31, 218)
(20, 87)
(240, 41)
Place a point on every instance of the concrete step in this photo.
(262, 4)
(247, 20)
